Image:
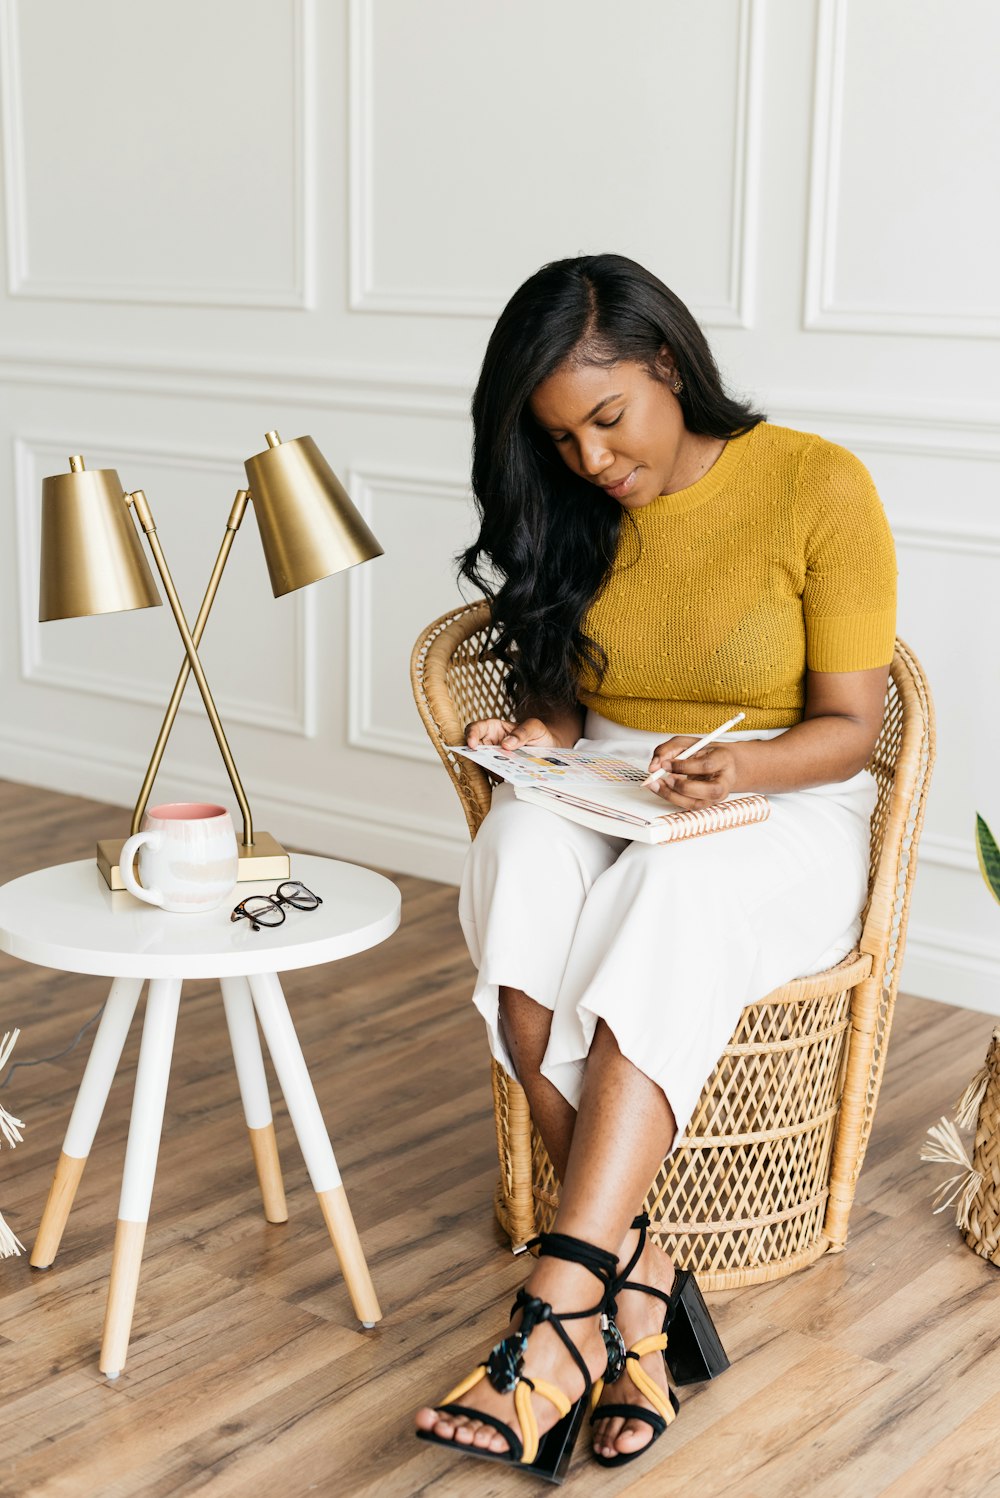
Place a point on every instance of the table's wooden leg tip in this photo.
(112, 1376)
(57, 1208)
(368, 1325)
(340, 1225)
(265, 1157)
(42, 1268)
(125, 1264)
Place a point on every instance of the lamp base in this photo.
(266, 859)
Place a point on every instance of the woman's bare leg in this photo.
(526, 1026)
(624, 1126)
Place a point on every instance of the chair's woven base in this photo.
(738, 1203)
(763, 1181)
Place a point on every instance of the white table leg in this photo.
(245, 1041)
(98, 1075)
(144, 1132)
(314, 1141)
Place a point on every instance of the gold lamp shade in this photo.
(308, 526)
(92, 559)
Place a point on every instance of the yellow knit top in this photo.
(779, 559)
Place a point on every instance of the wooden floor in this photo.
(877, 1372)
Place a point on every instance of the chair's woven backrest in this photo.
(901, 763)
(453, 687)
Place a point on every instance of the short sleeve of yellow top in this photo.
(778, 560)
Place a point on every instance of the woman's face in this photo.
(619, 428)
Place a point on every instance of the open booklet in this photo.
(606, 793)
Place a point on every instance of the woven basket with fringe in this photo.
(975, 1188)
(983, 1231)
(763, 1181)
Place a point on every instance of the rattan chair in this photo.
(763, 1181)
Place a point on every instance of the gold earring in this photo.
(678, 386)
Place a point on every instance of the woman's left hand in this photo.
(690, 784)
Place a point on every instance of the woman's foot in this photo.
(567, 1287)
(638, 1316)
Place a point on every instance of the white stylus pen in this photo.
(652, 778)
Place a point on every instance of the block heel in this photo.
(694, 1349)
(691, 1348)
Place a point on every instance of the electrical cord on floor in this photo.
(44, 1060)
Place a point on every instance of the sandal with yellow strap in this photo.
(549, 1455)
(692, 1352)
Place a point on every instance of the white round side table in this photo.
(66, 917)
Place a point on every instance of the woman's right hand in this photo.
(503, 733)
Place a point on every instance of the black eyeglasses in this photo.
(268, 910)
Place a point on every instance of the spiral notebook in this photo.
(606, 793)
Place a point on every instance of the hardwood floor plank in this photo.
(774, 1443)
(966, 1464)
(172, 1391)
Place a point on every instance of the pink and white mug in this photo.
(187, 857)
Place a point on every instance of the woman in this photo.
(657, 557)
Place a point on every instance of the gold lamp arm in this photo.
(166, 727)
(140, 504)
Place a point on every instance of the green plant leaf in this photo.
(989, 856)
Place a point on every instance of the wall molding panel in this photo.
(97, 681)
(732, 310)
(336, 386)
(296, 293)
(927, 425)
(823, 311)
(964, 952)
(952, 967)
(737, 309)
(924, 428)
(15, 209)
(949, 852)
(363, 730)
(923, 537)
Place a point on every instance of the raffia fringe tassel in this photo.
(11, 1128)
(974, 1188)
(944, 1147)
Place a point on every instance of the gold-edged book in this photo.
(626, 811)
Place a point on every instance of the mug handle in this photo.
(126, 861)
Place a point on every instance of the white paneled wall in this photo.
(893, 246)
(545, 166)
(306, 214)
(125, 120)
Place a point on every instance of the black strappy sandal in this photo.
(691, 1347)
(549, 1455)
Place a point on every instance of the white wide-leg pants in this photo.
(665, 944)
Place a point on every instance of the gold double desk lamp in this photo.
(93, 563)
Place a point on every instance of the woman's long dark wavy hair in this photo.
(548, 538)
